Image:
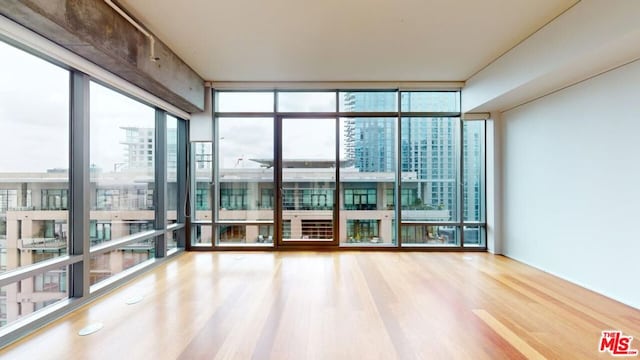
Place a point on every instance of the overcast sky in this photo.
(34, 113)
(34, 116)
(34, 119)
(242, 139)
(110, 112)
(251, 138)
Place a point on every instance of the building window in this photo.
(135, 227)
(51, 281)
(266, 198)
(362, 230)
(265, 233)
(233, 233)
(99, 232)
(202, 198)
(286, 229)
(233, 199)
(289, 199)
(8, 200)
(360, 199)
(54, 199)
(316, 199)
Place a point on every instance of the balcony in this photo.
(42, 244)
(146, 245)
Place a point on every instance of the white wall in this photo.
(571, 179)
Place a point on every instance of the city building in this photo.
(34, 220)
(139, 148)
(428, 147)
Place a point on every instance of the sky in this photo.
(34, 116)
(34, 121)
(110, 111)
(242, 139)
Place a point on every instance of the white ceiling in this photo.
(342, 40)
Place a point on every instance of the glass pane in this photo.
(474, 236)
(122, 162)
(430, 101)
(307, 101)
(473, 160)
(240, 234)
(172, 168)
(203, 169)
(172, 240)
(245, 160)
(367, 177)
(112, 263)
(429, 235)
(34, 159)
(363, 101)
(241, 101)
(201, 235)
(22, 298)
(308, 175)
(429, 169)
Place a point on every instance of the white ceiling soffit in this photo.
(342, 40)
(590, 38)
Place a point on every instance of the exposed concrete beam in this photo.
(592, 37)
(93, 30)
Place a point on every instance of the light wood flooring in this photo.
(338, 305)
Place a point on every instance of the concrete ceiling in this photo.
(342, 40)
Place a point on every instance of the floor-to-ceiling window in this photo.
(382, 168)
(34, 179)
(473, 191)
(83, 185)
(123, 174)
(368, 175)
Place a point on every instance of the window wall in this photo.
(87, 198)
(34, 178)
(410, 171)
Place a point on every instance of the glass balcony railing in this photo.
(42, 243)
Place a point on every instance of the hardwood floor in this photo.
(339, 305)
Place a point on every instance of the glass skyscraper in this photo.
(428, 147)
